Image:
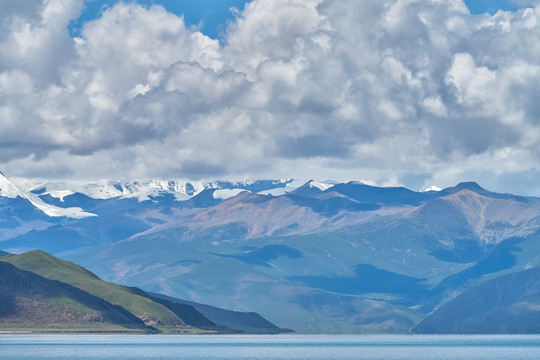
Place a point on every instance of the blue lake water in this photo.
(261, 347)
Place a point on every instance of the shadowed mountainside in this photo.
(509, 304)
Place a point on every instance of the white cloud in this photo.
(473, 84)
(308, 88)
(15, 82)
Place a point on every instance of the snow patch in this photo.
(291, 186)
(365, 182)
(60, 194)
(320, 185)
(73, 212)
(432, 188)
(224, 194)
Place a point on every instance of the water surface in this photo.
(261, 347)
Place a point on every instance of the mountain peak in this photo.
(470, 185)
(41, 261)
(10, 190)
(311, 188)
(223, 194)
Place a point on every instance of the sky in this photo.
(393, 92)
(212, 16)
(209, 16)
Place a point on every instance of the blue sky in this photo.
(214, 14)
(211, 14)
(491, 6)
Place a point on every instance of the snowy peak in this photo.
(432, 188)
(106, 189)
(10, 190)
(224, 194)
(312, 188)
(145, 190)
(320, 185)
(153, 188)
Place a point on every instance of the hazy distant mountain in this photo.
(319, 257)
(509, 304)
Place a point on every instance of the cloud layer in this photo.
(398, 91)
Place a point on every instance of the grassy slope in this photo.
(132, 299)
(30, 301)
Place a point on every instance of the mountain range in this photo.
(323, 257)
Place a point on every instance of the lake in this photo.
(268, 347)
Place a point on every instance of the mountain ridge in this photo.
(10, 191)
(147, 189)
(314, 258)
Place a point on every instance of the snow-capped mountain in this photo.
(11, 191)
(147, 189)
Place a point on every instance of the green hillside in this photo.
(29, 302)
(167, 317)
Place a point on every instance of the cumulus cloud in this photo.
(413, 91)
